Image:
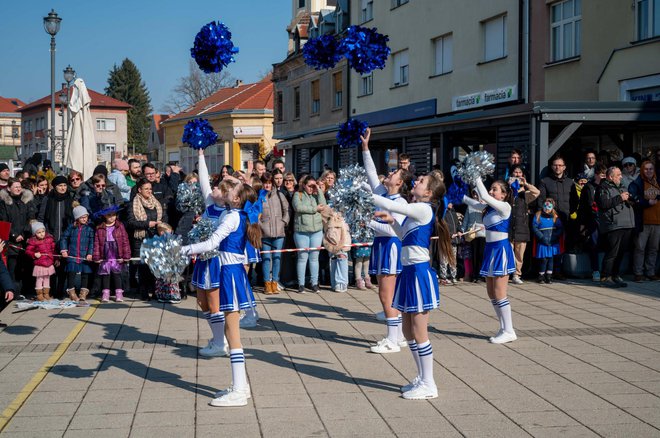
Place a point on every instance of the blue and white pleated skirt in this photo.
(206, 274)
(498, 259)
(545, 251)
(385, 256)
(416, 289)
(252, 254)
(235, 289)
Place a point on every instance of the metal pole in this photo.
(52, 96)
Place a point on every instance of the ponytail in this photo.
(443, 244)
(254, 235)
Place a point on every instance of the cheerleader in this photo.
(206, 273)
(385, 262)
(236, 227)
(416, 290)
(498, 259)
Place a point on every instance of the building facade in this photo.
(10, 131)
(110, 120)
(242, 116)
(156, 142)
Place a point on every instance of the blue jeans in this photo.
(271, 244)
(338, 270)
(308, 240)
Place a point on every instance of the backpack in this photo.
(334, 234)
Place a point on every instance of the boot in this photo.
(368, 283)
(72, 294)
(274, 288)
(47, 296)
(40, 295)
(105, 295)
(119, 295)
(268, 289)
(360, 284)
(83, 294)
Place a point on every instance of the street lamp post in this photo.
(69, 76)
(52, 26)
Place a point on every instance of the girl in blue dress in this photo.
(230, 238)
(206, 273)
(416, 290)
(385, 261)
(547, 231)
(498, 259)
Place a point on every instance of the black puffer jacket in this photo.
(562, 190)
(56, 213)
(613, 212)
(19, 211)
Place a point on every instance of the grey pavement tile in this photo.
(63, 396)
(368, 427)
(413, 426)
(97, 433)
(286, 413)
(308, 428)
(213, 431)
(164, 419)
(602, 416)
(45, 424)
(126, 406)
(101, 421)
(489, 424)
(549, 418)
(649, 415)
(167, 432)
(637, 430)
(278, 389)
(301, 400)
(33, 434)
(207, 414)
(578, 431)
(166, 405)
(31, 409)
(128, 395)
(634, 401)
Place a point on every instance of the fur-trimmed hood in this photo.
(26, 196)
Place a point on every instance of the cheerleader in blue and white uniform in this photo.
(498, 258)
(236, 294)
(416, 290)
(206, 273)
(385, 261)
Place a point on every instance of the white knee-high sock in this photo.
(251, 312)
(505, 309)
(498, 312)
(415, 353)
(238, 375)
(400, 328)
(426, 359)
(393, 329)
(217, 323)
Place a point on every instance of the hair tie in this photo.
(253, 210)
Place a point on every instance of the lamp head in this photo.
(52, 23)
(69, 74)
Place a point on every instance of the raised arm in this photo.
(503, 208)
(419, 212)
(477, 205)
(228, 225)
(204, 181)
(369, 166)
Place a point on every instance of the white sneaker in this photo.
(385, 346)
(516, 280)
(232, 398)
(280, 288)
(247, 321)
(421, 392)
(416, 381)
(499, 332)
(402, 343)
(380, 316)
(247, 392)
(504, 337)
(595, 276)
(214, 350)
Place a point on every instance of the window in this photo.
(301, 4)
(296, 103)
(366, 10)
(105, 149)
(337, 87)
(14, 132)
(316, 97)
(105, 124)
(400, 63)
(648, 18)
(397, 3)
(367, 84)
(443, 48)
(279, 107)
(566, 22)
(495, 38)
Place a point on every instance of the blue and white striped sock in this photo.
(238, 375)
(426, 359)
(217, 323)
(393, 329)
(505, 308)
(415, 353)
(498, 312)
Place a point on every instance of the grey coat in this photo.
(275, 216)
(613, 212)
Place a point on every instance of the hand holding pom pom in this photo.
(165, 257)
(356, 204)
(350, 133)
(321, 52)
(476, 165)
(213, 49)
(199, 134)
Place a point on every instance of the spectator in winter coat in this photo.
(273, 221)
(616, 220)
(76, 247)
(109, 185)
(5, 174)
(77, 189)
(118, 178)
(519, 232)
(100, 198)
(629, 171)
(7, 286)
(587, 217)
(645, 192)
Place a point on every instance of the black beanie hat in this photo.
(59, 179)
(3, 166)
(101, 169)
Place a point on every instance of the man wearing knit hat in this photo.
(118, 177)
(5, 174)
(629, 171)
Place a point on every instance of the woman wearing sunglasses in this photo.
(100, 198)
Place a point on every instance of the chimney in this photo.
(238, 83)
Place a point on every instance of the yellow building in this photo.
(242, 116)
(10, 131)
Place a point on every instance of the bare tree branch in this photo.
(194, 87)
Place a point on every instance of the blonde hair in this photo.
(164, 228)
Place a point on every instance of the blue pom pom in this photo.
(364, 49)
(321, 52)
(350, 132)
(199, 134)
(213, 49)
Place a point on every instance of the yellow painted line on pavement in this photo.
(28, 389)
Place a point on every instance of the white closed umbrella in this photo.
(80, 151)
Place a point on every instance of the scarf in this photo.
(139, 206)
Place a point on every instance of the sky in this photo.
(155, 35)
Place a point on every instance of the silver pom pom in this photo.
(189, 198)
(476, 165)
(354, 202)
(201, 232)
(164, 257)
